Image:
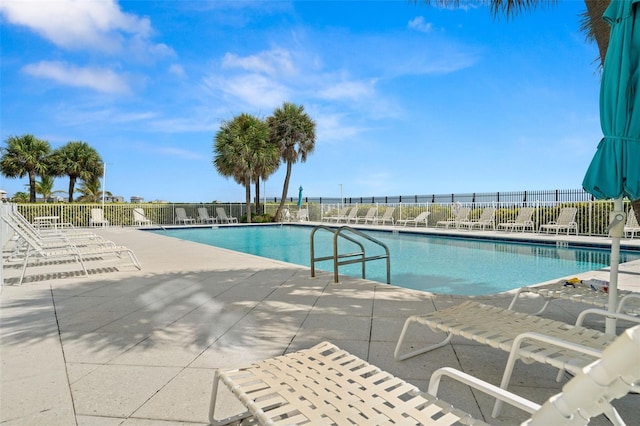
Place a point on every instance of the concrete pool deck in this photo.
(129, 347)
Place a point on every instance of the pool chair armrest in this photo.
(487, 388)
(605, 313)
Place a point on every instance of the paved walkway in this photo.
(129, 347)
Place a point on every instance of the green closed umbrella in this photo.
(614, 171)
(300, 197)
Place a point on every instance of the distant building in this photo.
(136, 199)
(3, 194)
(114, 199)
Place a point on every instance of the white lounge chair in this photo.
(203, 216)
(565, 220)
(369, 216)
(387, 216)
(302, 215)
(350, 216)
(327, 385)
(37, 248)
(631, 227)
(139, 218)
(421, 218)
(524, 336)
(461, 216)
(181, 217)
(486, 219)
(522, 221)
(628, 301)
(223, 218)
(97, 218)
(341, 213)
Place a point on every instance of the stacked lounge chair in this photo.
(32, 246)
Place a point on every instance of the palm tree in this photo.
(45, 187)
(592, 24)
(78, 160)
(295, 133)
(235, 147)
(90, 191)
(20, 197)
(25, 155)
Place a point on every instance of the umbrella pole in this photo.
(616, 235)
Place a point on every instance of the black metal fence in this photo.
(543, 196)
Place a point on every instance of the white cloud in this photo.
(84, 25)
(348, 90)
(99, 79)
(271, 62)
(254, 90)
(419, 24)
(177, 69)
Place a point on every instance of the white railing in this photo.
(592, 217)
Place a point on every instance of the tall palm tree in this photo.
(25, 155)
(592, 24)
(78, 160)
(234, 151)
(295, 133)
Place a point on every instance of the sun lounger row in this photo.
(350, 215)
(59, 243)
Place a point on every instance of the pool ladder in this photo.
(347, 258)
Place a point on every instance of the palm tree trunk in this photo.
(247, 191)
(32, 186)
(258, 196)
(72, 185)
(285, 190)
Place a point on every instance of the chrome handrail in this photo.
(361, 255)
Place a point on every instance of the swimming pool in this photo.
(422, 262)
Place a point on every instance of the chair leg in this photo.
(405, 328)
(212, 406)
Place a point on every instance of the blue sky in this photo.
(408, 99)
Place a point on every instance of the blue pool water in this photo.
(429, 263)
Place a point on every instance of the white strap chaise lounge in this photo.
(566, 221)
(486, 219)
(628, 301)
(421, 218)
(181, 216)
(522, 221)
(325, 385)
(139, 218)
(461, 216)
(203, 216)
(526, 337)
(97, 218)
(387, 216)
(223, 218)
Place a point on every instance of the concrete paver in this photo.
(129, 347)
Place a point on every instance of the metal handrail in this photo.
(354, 257)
